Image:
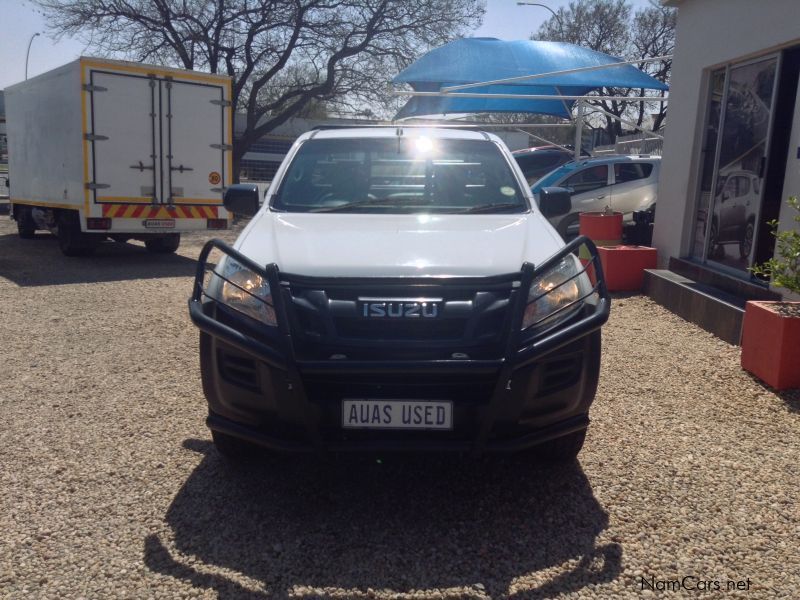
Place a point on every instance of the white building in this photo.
(732, 149)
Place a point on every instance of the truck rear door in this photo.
(157, 140)
(193, 162)
(124, 134)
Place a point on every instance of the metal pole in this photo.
(560, 22)
(545, 140)
(579, 130)
(531, 96)
(28, 53)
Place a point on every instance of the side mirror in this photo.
(554, 202)
(242, 199)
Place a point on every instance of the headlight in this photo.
(552, 292)
(244, 291)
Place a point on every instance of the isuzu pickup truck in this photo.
(399, 289)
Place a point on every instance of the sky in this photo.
(20, 20)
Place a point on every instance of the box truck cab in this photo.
(399, 290)
(102, 148)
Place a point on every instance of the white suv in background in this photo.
(624, 183)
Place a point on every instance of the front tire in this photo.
(26, 226)
(563, 449)
(567, 223)
(746, 245)
(713, 247)
(165, 244)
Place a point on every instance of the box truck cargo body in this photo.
(101, 148)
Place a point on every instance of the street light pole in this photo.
(28, 54)
(560, 23)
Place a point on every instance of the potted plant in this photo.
(771, 330)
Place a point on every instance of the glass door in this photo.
(729, 203)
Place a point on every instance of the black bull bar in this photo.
(278, 350)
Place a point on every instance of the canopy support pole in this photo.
(579, 130)
(545, 140)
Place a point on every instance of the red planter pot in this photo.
(604, 229)
(771, 344)
(623, 266)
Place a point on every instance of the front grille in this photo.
(328, 319)
(385, 329)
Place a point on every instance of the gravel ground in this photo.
(110, 488)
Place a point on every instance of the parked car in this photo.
(734, 218)
(539, 161)
(399, 290)
(623, 183)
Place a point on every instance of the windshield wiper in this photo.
(487, 208)
(367, 202)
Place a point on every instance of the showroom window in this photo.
(733, 163)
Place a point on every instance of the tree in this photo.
(611, 26)
(285, 56)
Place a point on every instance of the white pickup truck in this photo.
(399, 289)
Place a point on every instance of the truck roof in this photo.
(126, 66)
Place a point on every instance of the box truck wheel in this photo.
(163, 244)
(70, 239)
(26, 226)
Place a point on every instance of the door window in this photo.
(588, 180)
(625, 172)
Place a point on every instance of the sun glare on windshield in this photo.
(424, 145)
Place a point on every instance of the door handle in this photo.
(600, 197)
(142, 167)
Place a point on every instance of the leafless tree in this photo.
(612, 27)
(285, 56)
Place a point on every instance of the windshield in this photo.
(399, 175)
(553, 176)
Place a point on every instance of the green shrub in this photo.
(784, 268)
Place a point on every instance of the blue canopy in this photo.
(473, 60)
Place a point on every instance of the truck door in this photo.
(125, 137)
(194, 154)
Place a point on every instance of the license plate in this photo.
(160, 223)
(397, 414)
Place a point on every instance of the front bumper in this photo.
(271, 391)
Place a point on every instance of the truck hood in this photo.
(350, 245)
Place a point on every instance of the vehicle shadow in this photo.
(303, 525)
(40, 262)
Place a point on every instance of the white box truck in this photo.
(101, 148)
